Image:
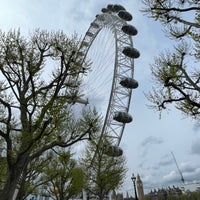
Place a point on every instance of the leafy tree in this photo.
(62, 177)
(102, 173)
(176, 72)
(38, 75)
(30, 179)
(32, 184)
(3, 170)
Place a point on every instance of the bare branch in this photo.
(167, 9)
(61, 144)
(185, 22)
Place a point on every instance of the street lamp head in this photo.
(133, 178)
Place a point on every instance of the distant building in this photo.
(115, 196)
(38, 197)
(130, 198)
(164, 192)
(119, 196)
(127, 197)
(140, 188)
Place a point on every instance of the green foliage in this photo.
(176, 71)
(61, 177)
(37, 75)
(78, 181)
(47, 165)
(102, 173)
(3, 171)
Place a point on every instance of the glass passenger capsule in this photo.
(110, 7)
(104, 10)
(125, 15)
(129, 29)
(113, 151)
(131, 52)
(94, 25)
(129, 83)
(123, 117)
(117, 8)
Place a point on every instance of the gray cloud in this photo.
(151, 140)
(171, 178)
(147, 143)
(190, 172)
(192, 176)
(195, 148)
(188, 167)
(174, 177)
(165, 160)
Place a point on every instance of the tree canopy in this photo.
(176, 72)
(102, 173)
(39, 77)
(62, 177)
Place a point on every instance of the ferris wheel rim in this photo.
(114, 22)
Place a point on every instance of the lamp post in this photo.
(133, 178)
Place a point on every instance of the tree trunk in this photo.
(10, 191)
(21, 194)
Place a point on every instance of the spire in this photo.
(140, 188)
(127, 195)
(138, 178)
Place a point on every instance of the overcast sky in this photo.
(148, 141)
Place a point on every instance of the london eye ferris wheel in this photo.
(108, 44)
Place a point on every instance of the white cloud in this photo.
(188, 166)
(171, 177)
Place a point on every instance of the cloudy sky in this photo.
(148, 141)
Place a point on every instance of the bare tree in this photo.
(176, 72)
(37, 77)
